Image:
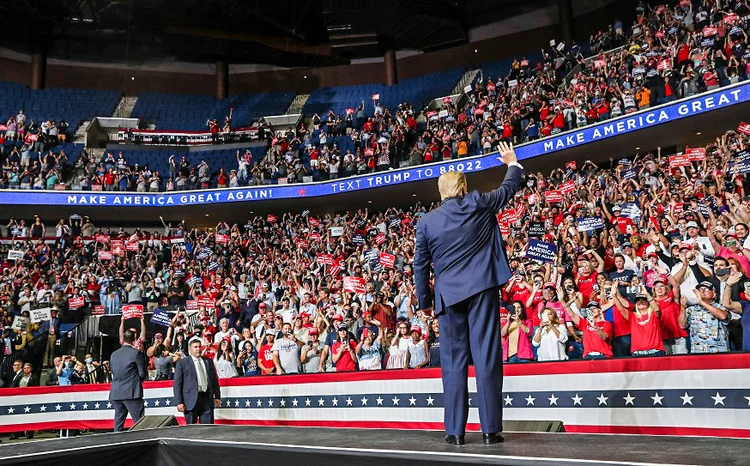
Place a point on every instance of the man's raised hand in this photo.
(507, 154)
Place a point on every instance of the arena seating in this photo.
(73, 105)
(190, 112)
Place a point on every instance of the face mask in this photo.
(722, 272)
(89, 360)
(68, 365)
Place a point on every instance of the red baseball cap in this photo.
(416, 328)
(338, 317)
(262, 306)
(313, 331)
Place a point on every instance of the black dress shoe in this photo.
(455, 439)
(13, 437)
(491, 439)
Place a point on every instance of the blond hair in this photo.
(451, 184)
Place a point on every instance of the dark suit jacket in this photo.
(462, 240)
(33, 381)
(129, 370)
(186, 382)
(44, 328)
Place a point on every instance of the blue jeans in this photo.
(515, 359)
(575, 349)
(621, 346)
(595, 356)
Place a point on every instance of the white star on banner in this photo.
(687, 399)
(395, 401)
(259, 403)
(11, 410)
(657, 399)
(577, 400)
(145, 402)
(270, 402)
(72, 406)
(156, 403)
(247, 403)
(380, 401)
(27, 409)
(321, 402)
(348, 401)
(229, 403)
(431, 401)
(43, 408)
(58, 408)
(335, 402)
(236, 403)
(629, 400)
(167, 401)
(96, 406)
(85, 406)
(508, 400)
(530, 400)
(295, 402)
(718, 399)
(602, 399)
(363, 401)
(553, 400)
(748, 400)
(282, 402)
(307, 402)
(412, 401)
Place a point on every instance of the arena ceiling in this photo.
(288, 33)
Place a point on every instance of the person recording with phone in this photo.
(369, 350)
(311, 351)
(550, 337)
(286, 351)
(517, 332)
(344, 351)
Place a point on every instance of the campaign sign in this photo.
(132, 311)
(100, 238)
(177, 240)
(741, 156)
(203, 253)
(358, 239)
(303, 243)
(337, 231)
(541, 251)
(195, 280)
(314, 236)
(553, 196)
(508, 217)
(160, 318)
(19, 324)
(681, 160)
(387, 260)
(40, 315)
(221, 238)
(629, 174)
(512, 82)
(131, 246)
(696, 154)
(191, 305)
(590, 224)
(213, 265)
(354, 285)
(536, 229)
(206, 301)
(743, 128)
(380, 239)
(97, 310)
(76, 303)
(272, 218)
(631, 210)
(314, 222)
(568, 187)
(15, 255)
(325, 259)
(571, 165)
(741, 168)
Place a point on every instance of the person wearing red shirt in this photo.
(644, 325)
(344, 352)
(673, 336)
(586, 275)
(621, 344)
(265, 355)
(597, 331)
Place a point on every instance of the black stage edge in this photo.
(229, 445)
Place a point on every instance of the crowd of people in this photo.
(651, 257)
(670, 51)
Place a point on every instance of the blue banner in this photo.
(615, 127)
(161, 318)
(541, 251)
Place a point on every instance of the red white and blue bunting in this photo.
(685, 395)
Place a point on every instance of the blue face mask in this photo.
(89, 360)
(69, 365)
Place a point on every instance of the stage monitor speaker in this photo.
(533, 426)
(153, 422)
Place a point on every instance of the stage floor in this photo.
(226, 445)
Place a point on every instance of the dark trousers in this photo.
(203, 411)
(472, 327)
(123, 407)
(621, 346)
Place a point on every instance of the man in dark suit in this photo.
(26, 378)
(462, 241)
(129, 370)
(196, 386)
